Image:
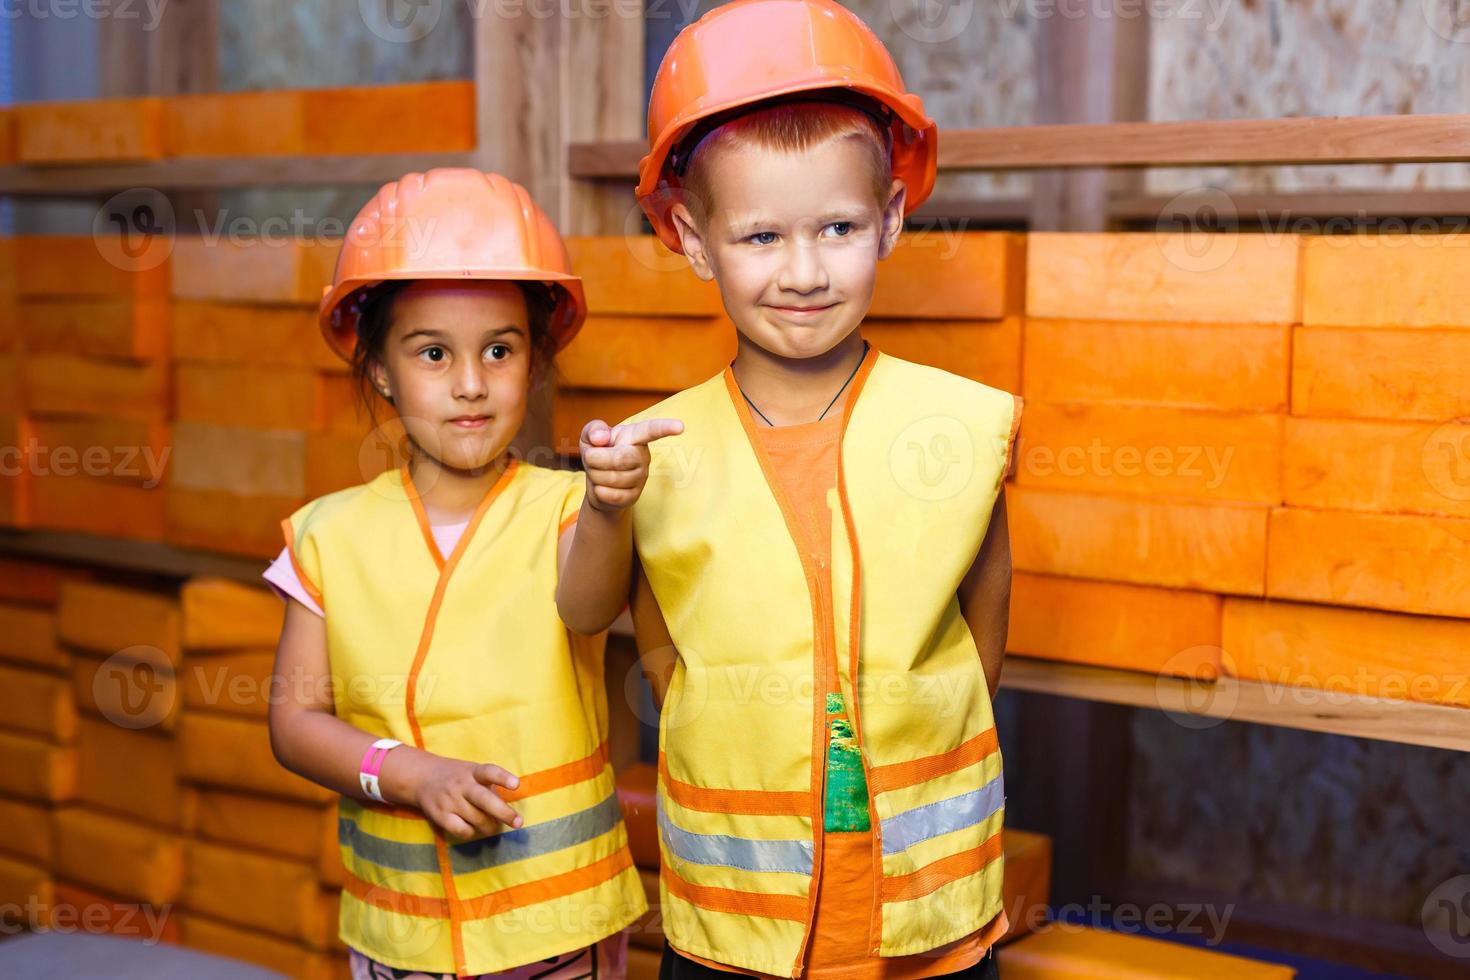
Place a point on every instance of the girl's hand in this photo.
(616, 460)
(457, 796)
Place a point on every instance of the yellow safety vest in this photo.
(742, 735)
(464, 655)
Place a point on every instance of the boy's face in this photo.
(794, 241)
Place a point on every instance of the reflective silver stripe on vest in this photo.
(903, 830)
(794, 856)
(487, 852)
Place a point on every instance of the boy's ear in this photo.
(892, 219)
(692, 242)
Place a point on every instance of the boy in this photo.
(822, 569)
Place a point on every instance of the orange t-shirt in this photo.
(804, 459)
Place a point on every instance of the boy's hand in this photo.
(457, 797)
(616, 460)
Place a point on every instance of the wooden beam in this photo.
(1319, 204)
(1256, 142)
(1229, 699)
(215, 174)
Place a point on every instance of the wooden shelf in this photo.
(214, 174)
(1196, 704)
(1229, 699)
(153, 557)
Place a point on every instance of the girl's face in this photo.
(457, 364)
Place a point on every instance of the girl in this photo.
(429, 678)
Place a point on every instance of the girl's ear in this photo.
(379, 376)
(892, 219)
(692, 242)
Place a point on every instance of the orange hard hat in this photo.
(764, 51)
(453, 223)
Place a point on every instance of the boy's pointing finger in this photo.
(649, 430)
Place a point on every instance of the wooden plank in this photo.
(24, 885)
(1151, 451)
(221, 615)
(1217, 142)
(106, 618)
(120, 857)
(1386, 281)
(28, 637)
(89, 132)
(95, 328)
(988, 351)
(240, 460)
(423, 117)
(113, 916)
(1216, 547)
(236, 124)
(635, 275)
(27, 831)
(75, 266)
(250, 335)
(284, 957)
(1230, 699)
(1353, 372)
(1381, 561)
(235, 682)
(94, 505)
(256, 891)
(252, 270)
(297, 171)
(133, 453)
(1354, 651)
(1229, 367)
(280, 827)
(91, 551)
(1384, 467)
(1163, 277)
(130, 774)
(37, 703)
(37, 582)
(233, 523)
(648, 353)
(951, 275)
(235, 754)
(37, 770)
(60, 384)
(1061, 953)
(249, 397)
(136, 693)
(1108, 624)
(337, 462)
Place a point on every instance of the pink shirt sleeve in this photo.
(287, 584)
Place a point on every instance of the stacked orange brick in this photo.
(424, 118)
(119, 846)
(1372, 546)
(93, 337)
(263, 864)
(38, 729)
(1216, 426)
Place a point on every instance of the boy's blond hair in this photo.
(790, 128)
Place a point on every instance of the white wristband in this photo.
(372, 765)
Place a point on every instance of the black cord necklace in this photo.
(757, 411)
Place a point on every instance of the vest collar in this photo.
(440, 560)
